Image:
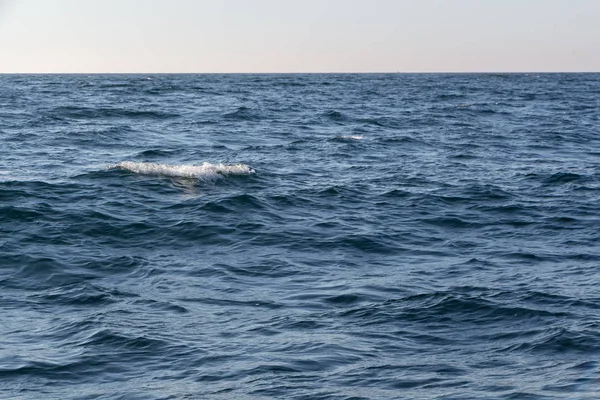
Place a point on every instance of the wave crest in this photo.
(204, 171)
(350, 137)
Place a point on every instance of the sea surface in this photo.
(319, 236)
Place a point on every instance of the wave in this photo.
(242, 114)
(107, 112)
(350, 137)
(334, 115)
(205, 171)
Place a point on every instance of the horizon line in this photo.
(303, 73)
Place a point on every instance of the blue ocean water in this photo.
(386, 236)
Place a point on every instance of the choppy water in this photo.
(300, 236)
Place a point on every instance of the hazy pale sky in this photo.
(299, 36)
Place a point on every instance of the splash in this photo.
(205, 171)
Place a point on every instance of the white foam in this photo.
(4, 175)
(204, 171)
(351, 137)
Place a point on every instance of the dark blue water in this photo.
(300, 236)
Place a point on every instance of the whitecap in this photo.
(205, 171)
(351, 137)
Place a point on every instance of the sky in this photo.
(198, 36)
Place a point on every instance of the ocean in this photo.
(300, 236)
